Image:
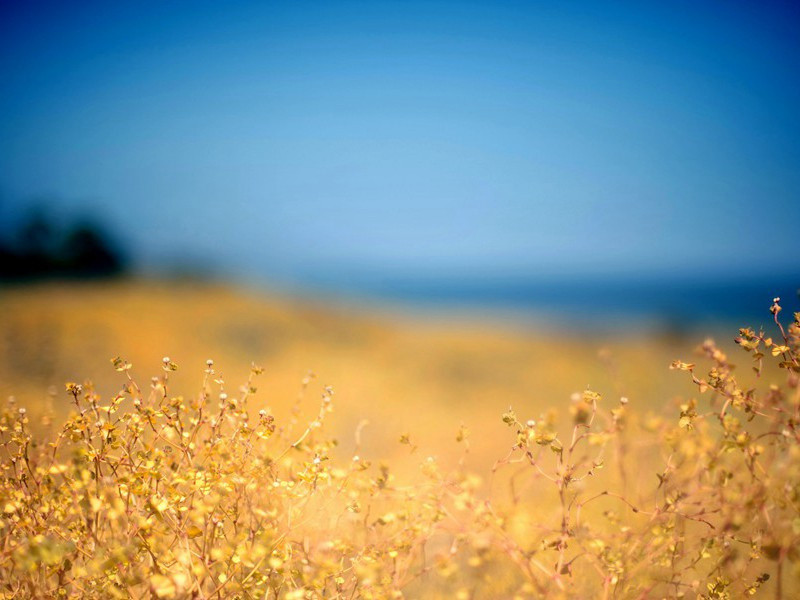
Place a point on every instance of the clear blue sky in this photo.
(417, 137)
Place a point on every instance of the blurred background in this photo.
(449, 202)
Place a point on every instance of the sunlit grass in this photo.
(188, 485)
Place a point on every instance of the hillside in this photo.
(399, 372)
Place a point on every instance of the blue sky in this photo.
(298, 139)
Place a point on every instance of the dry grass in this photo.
(647, 484)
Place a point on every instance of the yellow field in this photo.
(430, 391)
(398, 372)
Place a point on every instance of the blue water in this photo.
(597, 303)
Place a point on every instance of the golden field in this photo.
(397, 371)
(409, 477)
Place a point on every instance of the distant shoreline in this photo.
(596, 306)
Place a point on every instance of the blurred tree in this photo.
(87, 252)
(39, 249)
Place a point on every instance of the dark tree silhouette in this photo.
(39, 249)
(86, 252)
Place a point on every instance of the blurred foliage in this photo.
(40, 248)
